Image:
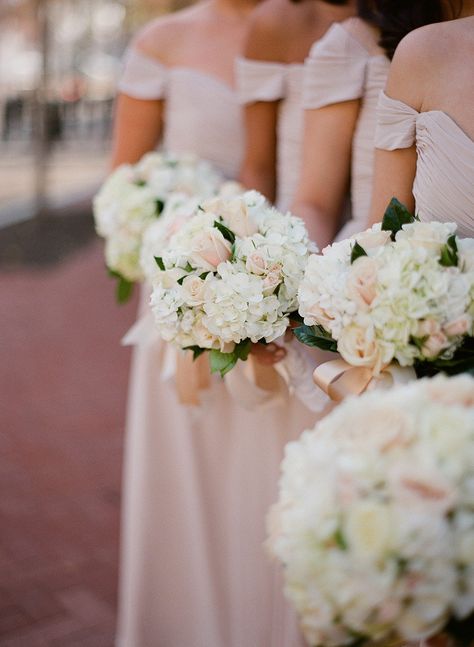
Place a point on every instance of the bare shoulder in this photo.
(267, 30)
(163, 36)
(416, 60)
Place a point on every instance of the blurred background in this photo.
(63, 375)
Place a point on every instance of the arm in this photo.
(327, 149)
(395, 170)
(258, 169)
(137, 128)
(393, 177)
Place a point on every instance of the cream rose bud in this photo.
(368, 529)
(256, 264)
(211, 247)
(193, 290)
(271, 282)
(362, 280)
(203, 338)
(460, 326)
(319, 315)
(359, 348)
(434, 345)
(428, 327)
(237, 218)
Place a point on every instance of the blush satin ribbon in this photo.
(339, 379)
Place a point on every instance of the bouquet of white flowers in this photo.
(134, 196)
(403, 290)
(229, 277)
(375, 518)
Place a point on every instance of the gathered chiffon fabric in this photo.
(342, 67)
(444, 181)
(198, 480)
(267, 81)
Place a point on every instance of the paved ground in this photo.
(62, 383)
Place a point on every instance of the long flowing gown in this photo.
(444, 181)
(268, 82)
(198, 480)
(347, 64)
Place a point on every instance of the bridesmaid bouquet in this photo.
(230, 277)
(402, 290)
(375, 519)
(131, 200)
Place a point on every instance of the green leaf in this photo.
(159, 262)
(113, 273)
(196, 350)
(340, 539)
(225, 231)
(222, 362)
(189, 267)
(395, 217)
(296, 317)
(140, 183)
(449, 253)
(242, 349)
(357, 252)
(315, 336)
(124, 290)
(203, 275)
(181, 280)
(160, 205)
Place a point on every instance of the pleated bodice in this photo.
(444, 182)
(201, 111)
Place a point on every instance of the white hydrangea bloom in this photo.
(375, 518)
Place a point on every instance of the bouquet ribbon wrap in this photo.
(339, 379)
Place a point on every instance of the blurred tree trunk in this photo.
(41, 130)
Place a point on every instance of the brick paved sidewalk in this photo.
(63, 384)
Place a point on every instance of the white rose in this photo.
(237, 218)
(372, 238)
(193, 290)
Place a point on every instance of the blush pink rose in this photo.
(434, 345)
(256, 264)
(360, 349)
(211, 248)
(460, 326)
(362, 281)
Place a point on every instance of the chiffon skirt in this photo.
(198, 482)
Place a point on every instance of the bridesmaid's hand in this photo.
(268, 354)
